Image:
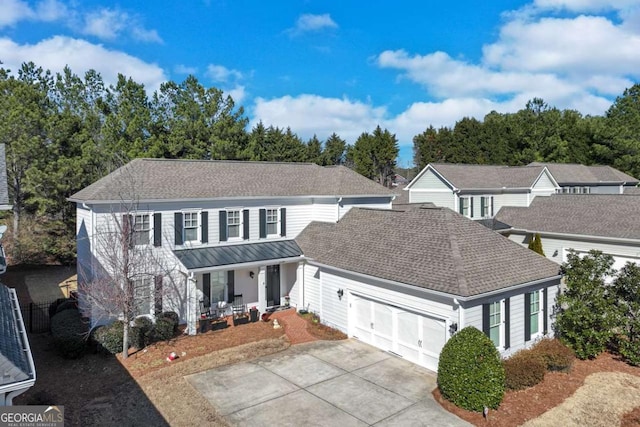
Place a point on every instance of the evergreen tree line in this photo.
(63, 132)
(540, 133)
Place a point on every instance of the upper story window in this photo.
(272, 222)
(466, 206)
(190, 226)
(141, 229)
(234, 224)
(486, 206)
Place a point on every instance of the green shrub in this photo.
(110, 337)
(628, 350)
(69, 332)
(470, 372)
(141, 334)
(523, 369)
(164, 329)
(53, 307)
(556, 355)
(173, 316)
(67, 304)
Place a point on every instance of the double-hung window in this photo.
(190, 226)
(272, 222)
(495, 323)
(141, 229)
(234, 224)
(142, 295)
(486, 206)
(466, 206)
(536, 313)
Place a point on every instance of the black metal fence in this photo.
(36, 316)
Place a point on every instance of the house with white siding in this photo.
(594, 179)
(406, 280)
(604, 222)
(223, 229)
(480, 191)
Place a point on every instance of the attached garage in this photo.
(414, 336)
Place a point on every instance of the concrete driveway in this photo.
(325, 383)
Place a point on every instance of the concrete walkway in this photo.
(325, 383)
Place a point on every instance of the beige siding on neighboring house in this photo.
(430, 181)
(444, 199)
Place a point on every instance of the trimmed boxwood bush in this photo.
(556, 355)
(141, 333)
(470, 372)
(67, 304)
(523, 369)
(53, 307)
(69, 332)
(173, 316)
(164, 329)
(109, 338)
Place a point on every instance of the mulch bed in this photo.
(523, 405)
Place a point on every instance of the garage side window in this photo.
(495, 322)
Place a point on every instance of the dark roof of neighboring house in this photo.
(576, 174)
(468, 177)
(160, 179)
(14, 363)
(432, 248)
(237, 254)
(601, 215)
(493, 224)
(4, 193)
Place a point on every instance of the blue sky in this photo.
(346, 66)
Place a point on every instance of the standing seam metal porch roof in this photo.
(237, 254)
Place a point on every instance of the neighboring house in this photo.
(581, 179)
(4, 203)
(227, 227)
(480, 191)
(405, 281)
(608, 223)
(18, 373)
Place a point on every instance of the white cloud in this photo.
(311, 114)
(148, 36)
(184, 69)
(238, 93)
(309, 23)
(585, 5)
(14, 11)
(105, 23)
(52, 10)
(222, 74)
(56, 52)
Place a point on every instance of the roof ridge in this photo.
(463, 286)
(261, 162)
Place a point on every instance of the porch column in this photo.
(283, 283)
(192, 306)
(262, 289)
(300, 282)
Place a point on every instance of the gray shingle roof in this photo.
(159, 179)
(14, 365)
(602, 215)
(470, 177)
(433, 248)
(237, 254)
(575, 174)
(4, 192)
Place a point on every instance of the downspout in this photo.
(460, 314)
(338, 206)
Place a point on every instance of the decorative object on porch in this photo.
(204, 325)
(340, 294)
(205, 309)
(241, 319)
(287, 300)
(240, 315)
(265, 317)
(172, 356)
(253, 314)
(219, 324)
(276, 324)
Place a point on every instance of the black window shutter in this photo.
(158, 294)
(544, 311)
(177, 224)
(482, 205)
(245, 224)
(206, 288)
(283, 222)
(204, 219)
(157, 229)
(507, 325)
(461, 206)
(527, 317)
(485, 320)
(263, 223)
(222, 223)
(491, 201)
(471, 208)
(231, 288)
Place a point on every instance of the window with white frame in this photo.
(234, 224)
(141, 229)
(272, 221)
(190, 226)
(536, 313)
(218, 286)
(495, 323)
(465, 206)
(486, 206)
(142, 295)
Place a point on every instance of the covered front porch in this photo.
(226, 279)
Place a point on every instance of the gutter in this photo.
(233, 198)
(244, 265)
(581, 237)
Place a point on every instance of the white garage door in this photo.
(416, 337)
